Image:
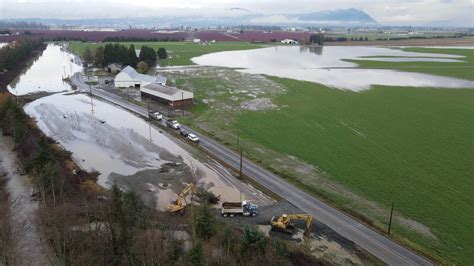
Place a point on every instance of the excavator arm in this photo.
(179, 203)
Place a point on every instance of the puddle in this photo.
(45, 74)
(325, 65)
(165, 197)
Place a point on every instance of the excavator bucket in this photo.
(175, 208)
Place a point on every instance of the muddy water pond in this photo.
(326, 65)
(111, 140)
(46, 72)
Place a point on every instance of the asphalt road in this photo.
(370, 240)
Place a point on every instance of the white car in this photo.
(193, 138)
(157, 116)
(173, 124)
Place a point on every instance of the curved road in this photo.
(370, 240)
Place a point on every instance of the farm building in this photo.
(114, 68)
(166, 94)
(289, 41)
(129, 77)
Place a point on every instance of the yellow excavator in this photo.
(283, 223)
(179, 206)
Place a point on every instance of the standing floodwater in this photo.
(47, 72)
(326, 65)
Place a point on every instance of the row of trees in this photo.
(118, 53)
(111, 53)
(11, 54)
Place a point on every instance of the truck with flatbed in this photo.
(244, 208)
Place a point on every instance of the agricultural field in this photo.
(360, 151)
(179, 53)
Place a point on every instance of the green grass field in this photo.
(409, 145)
(180, 53)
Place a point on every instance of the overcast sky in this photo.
(387, 12)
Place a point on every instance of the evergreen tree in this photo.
(132, 59)
(162, 54)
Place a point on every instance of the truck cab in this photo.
(249, 209)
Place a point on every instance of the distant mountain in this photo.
(340, 15)
(230, 17)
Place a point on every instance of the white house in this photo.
(170, 95)
(289, 41)
(129, 77)
(196, 40)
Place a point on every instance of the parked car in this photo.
(193, 138)
(172, 124)
(183, 132)
(106, 81)
(156, 116)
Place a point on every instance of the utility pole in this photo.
(390, 222)
(182, 103)
(240, 171)
(238, 139)
(148, 107)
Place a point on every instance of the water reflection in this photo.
(318, 50)
(46, 72)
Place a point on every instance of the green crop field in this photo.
(409, 145)
(412, 146)
(180, 53)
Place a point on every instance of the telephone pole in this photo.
(390, 222)
(241, 161)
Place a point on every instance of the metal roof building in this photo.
(170, 95)
(129, 77)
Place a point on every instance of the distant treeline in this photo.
(11, 54)
(141, 39)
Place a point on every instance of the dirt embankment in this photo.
(409, 42)
(7, 77)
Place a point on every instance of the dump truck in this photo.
(244, 208)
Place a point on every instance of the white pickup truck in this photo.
(244, 208)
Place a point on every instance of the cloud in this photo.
(387, 12)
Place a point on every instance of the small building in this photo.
(289, 41)
(196, 40)
(129, 77)
(114, 68)
(166, 94)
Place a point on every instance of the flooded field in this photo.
(326, 65)
(46, 72)
(123, 148)
(111, 140)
